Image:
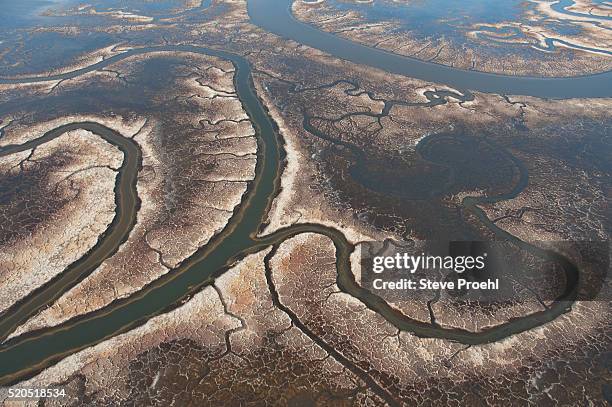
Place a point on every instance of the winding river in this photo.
(127, 205)
(24, 356)
(275, 16)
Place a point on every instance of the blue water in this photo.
(453, 19)
(27, 13)
(166, 8)
(436, 17)
(28, 50)
(274, 16)
(20, 14)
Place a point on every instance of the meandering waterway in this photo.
(23, 356)
(126, 207)
(275, 16)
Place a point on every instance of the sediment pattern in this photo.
(258, 176)
(542, 39)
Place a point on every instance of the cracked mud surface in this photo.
(183, 204)
(369, 156)
(227, 345)
(57, 199)
(420, 371)
(437, 145)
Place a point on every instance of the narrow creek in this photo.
(24, 356)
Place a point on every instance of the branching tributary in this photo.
(25, 355)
